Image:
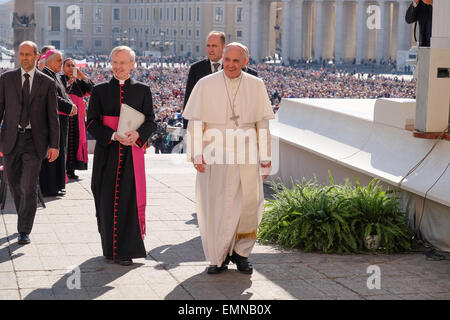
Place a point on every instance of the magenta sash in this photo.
(139, 174)
(82, 153)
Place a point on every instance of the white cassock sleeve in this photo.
(264, 140)
(194, 140)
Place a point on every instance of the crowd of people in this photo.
(45, 139)
(167, 80)
(168, 85)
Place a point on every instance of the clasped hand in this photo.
(129, 140)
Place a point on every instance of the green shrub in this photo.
(334, 218)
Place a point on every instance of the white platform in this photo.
(359, 137)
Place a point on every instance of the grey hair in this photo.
(244, 49)
(50, 57)
(123, 48)
(31, 44)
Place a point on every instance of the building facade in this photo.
(179, 27)
(6, 32)
(346, 30)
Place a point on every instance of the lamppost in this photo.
(162, 44)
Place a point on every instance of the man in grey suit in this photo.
(29, 132)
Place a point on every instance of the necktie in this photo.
(216, 66)
(25, 117)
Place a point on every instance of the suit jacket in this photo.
(197, 71)
(65, 103)
(424, 14)
(251, 71)
(43, 111)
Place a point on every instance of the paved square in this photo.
(65, 243)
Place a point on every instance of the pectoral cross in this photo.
(235, 118)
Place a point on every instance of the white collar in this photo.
(234, 79)
(220, 62)
(31, 72)
(122, 81)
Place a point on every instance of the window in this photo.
(98, 29)
(218, 14)
(190, 14)
(174, 14)
(238, 33)
(98, 14)
(198, 14)
(54, 19)
(116, 14)
(239, 12)
(98, 43)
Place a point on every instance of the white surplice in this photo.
(229, 194)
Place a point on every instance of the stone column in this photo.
(404, 29)
(286, 31)
(318, 43)
(24, 24)
(381, 32)
(361, 31)
(339, 32)
(246, 36)
(433, 82)
(297, 38)
(387, 30)
(255, 40)
(441, 24)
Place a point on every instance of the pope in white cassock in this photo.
(228, 140)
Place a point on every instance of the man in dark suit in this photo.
(421, 11)
(52, 178)
(29, 132)
(215, 44)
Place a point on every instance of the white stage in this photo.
(366, 138)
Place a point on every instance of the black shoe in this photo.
(242, 263)
(72, 176)
(215, 269)
(126, 262)
(226, 262)
(23, 238)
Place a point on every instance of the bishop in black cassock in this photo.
(118, 174)
(52, 178)
(77, 88)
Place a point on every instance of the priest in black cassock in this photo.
(77, 86)
(118, 173)
(52, 178)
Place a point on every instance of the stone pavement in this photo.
(65, 237)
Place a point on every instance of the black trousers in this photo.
(22, 166)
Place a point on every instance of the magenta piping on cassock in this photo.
(139, 174)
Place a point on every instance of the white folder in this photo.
(129, 120)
